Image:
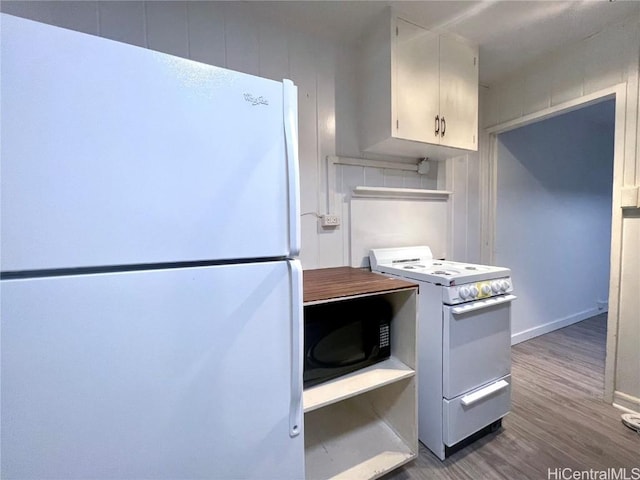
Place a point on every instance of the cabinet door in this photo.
(458, 94)
(416, 87)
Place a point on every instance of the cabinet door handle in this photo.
(444, 126)
(437, 125)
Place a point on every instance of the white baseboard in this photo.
(625, 402)
(554, 325)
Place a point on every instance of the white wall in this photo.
(553, 218)
(235, 35)
(606, 59)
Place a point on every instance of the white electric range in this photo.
(464, 344)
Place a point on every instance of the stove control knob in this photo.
(496, 286)
(474, 291)
(505, 285)
(486, 289)
(464, 292)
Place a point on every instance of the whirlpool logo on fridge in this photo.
(253, 100)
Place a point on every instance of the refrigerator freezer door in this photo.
(114, 154)
(165, 374)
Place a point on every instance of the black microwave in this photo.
(341, 337)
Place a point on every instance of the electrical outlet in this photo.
(329, 220)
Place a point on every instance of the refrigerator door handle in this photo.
(290, 108)
(295, 406)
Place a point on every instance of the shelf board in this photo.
(350, 442)
(355, 383)
(389, 192)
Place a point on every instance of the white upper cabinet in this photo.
(419, 92)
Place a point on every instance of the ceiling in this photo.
(509, 33)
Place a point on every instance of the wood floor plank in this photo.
(558, 417)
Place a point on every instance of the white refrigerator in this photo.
(151, 298)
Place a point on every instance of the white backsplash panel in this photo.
(396, 219)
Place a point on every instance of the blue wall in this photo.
(553, 225)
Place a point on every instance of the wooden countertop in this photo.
(333, 283)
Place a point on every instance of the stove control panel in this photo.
(469, 292)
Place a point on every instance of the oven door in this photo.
(476, 344)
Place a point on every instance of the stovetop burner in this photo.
(436, 268)
(417, 263)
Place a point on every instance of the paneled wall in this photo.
(350, 176)
(603, 60)
(238, 36)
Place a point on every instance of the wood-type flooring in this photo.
(558, 419)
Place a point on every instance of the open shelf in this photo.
(363, 424)
(348, 440)
(355, 383)
(391, 192)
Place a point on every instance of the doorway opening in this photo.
(553, 217)
(544, 192)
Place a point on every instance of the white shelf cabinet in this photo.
(420, 91)
(360, 381)
(364, 424)
(363, 437)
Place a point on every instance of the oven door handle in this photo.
(475, 397)
(481, 304)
